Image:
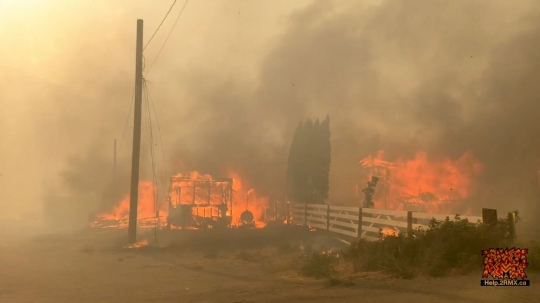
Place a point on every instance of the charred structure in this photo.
(200, 202)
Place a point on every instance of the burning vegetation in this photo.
(422, 184)
(193, 201)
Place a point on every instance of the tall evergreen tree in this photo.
(317, 174)
(293, 163)
(326, 157)
(309, 162)
(306, 162)
(294, 151)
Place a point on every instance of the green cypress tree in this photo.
(306, 162)
(308, 167)
(293, 163)
(326, 157)
(317, 175)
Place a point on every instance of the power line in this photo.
(149, 100)
(155, 188)
(127, 119)
(167, 39)
(159, 131)
(170, 8)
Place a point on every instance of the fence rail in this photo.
(367, 223)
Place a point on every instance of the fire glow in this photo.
(245, 198)
(442, 181)
(118, 217)
(385, 232)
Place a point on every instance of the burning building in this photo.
(193, 200)
(200, 201)
(418, 184)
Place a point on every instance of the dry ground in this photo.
(92, 267)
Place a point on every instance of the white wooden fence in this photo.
(366, 223)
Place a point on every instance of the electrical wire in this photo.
(155, 189)
(159, 131)
(170, 8)
(151, 102)
(127, 120)
(167, 39)
(149, 95)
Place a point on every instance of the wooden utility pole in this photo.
(134, 194)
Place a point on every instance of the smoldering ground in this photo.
(445, 77)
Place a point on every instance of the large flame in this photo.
(443, 182)
(146, 209)
(244, 198)
(247, 198)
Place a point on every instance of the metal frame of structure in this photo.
(199, 209)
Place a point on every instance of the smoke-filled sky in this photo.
(236, 76)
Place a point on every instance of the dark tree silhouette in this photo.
(309, 162)
(294, 164)
(325, 158)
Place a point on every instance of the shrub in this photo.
(395, 253)
(444, 246)
(319, 265)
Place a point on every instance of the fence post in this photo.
(409, 224)
(360, 223)
(305, 214)
(327, 217)
(512, 226)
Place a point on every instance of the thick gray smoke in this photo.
(445, 77)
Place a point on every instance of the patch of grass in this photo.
(319, 265)
(323, 266)
(450, 245)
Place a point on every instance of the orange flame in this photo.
(247, 199)
(138, 244)
(119, 215)
(389, 232)
(445, 180)
(146, 215)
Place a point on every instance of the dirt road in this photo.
(89, 269)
